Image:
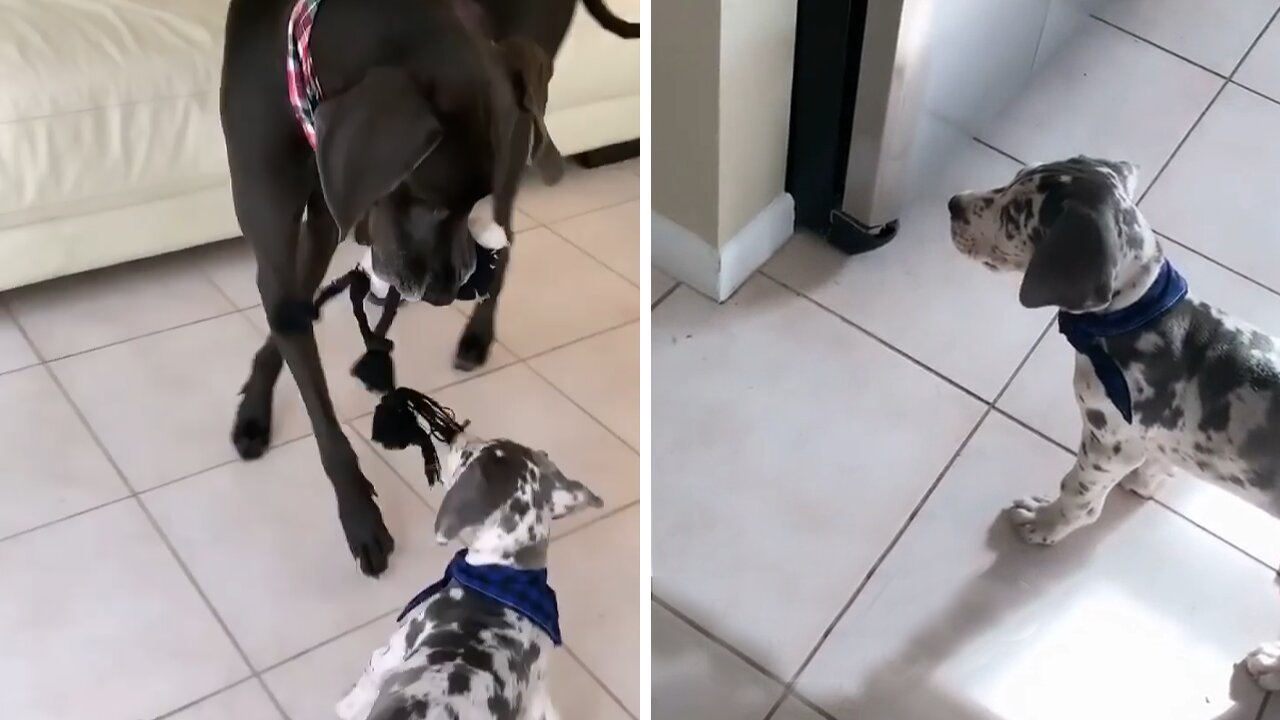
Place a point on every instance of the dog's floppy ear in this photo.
(369, 138)
(519, 132)
(1073, 265)
(483, 486)
(566, 496)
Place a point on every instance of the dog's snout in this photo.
(955, 206)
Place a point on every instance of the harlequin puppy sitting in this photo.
(476, 643)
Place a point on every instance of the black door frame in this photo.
(824, 89)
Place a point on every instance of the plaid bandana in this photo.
(304, 89)
(525, 591)
(1086, 332)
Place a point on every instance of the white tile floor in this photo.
(834, 446)
(149, 573)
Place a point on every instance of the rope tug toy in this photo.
(396, 423)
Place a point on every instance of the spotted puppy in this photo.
(1163, 379)
(476, 644)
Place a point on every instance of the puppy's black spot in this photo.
(459, 681)
(1096, 418)
(415, 709)
(501, 708)
(414, 631)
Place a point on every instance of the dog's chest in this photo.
(457, 651)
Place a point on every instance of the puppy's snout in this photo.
(955, 206)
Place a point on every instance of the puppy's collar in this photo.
(304, 88)
(524, 591)
(1086, 331)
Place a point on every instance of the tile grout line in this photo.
(1253, 91)
(1200, 118)
(902, 531)
(1252, 281)
(881, 341)
(1229, 78)
(173, 551)
(164, 539)
(998, 151)
(588, 253)
(208, 696)
(1155, 178)
(716, 639)
(148, 334)
(875, 567)
(600, 683)
(563, 393)
(739, 655)
(145, 491)
(547, 223)
(1160, 47)
(1256, 39)
(670, 291)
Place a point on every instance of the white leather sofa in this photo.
(110, 143)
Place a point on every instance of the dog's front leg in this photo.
(251, 433)
(275, 239)
(367, 536)
(477, 338)
(1103, 461)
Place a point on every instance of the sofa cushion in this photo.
(107, 103)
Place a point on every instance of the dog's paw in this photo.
(1264, 665)
(473, 351)
(251, 437)
(368, 539)
(1038, 520)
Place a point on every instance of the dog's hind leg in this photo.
(1147, 480)
(477, 338)
(251, 432)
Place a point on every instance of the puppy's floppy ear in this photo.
(483, 486)
(1073, 266)
(566, 496)
(569, 496)
(519, 132)
(369, 138)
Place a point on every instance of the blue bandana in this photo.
(525, 591)
(1085, 331)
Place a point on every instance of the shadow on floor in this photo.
(907, 686)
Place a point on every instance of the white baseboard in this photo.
(718, 272)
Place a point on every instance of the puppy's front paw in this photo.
(1039, 521)
(1264, 665)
